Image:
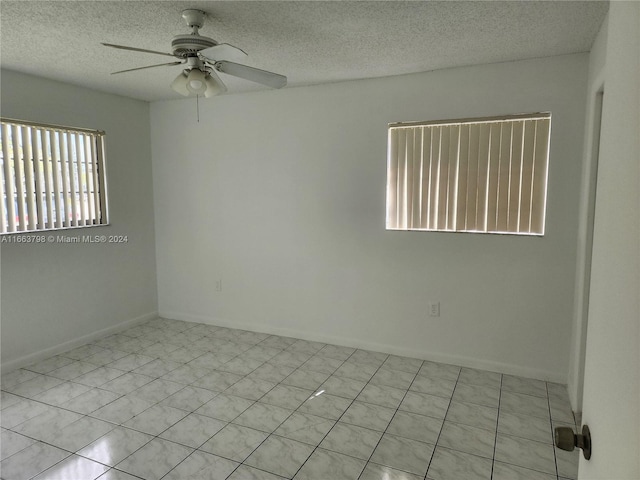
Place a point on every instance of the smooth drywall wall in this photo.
(54, 293)
(612, 367)
(280, 195)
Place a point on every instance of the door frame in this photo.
(575, 382)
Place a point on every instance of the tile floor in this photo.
(176, 400)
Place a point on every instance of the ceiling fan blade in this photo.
(223, 51)
(122, 47)
(269, 79)
(150, 66)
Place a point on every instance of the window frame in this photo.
(422, 196)
(64, 177)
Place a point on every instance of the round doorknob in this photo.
(566, 439)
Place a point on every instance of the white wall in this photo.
(281, 195)
(612, 368)
(54, 294)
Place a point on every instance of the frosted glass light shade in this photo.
(214, 85)
(196, 81)
(180, 85)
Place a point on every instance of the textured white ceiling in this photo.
(310, 42)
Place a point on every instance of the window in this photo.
(482, 175)
(52, 177)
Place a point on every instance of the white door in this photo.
(611, 405)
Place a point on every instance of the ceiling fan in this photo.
(202, 58)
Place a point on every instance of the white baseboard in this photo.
(459, 360)
(76, 342)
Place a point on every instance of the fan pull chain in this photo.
(198, 107)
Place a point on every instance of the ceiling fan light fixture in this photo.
(196, 81)
(180, 84)
(214, 84)
(201, 58)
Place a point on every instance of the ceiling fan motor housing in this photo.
(189, 45)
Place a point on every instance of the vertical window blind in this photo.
(52, 177)
(483, 175)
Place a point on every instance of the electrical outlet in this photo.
(434, 309)
(218, 285)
